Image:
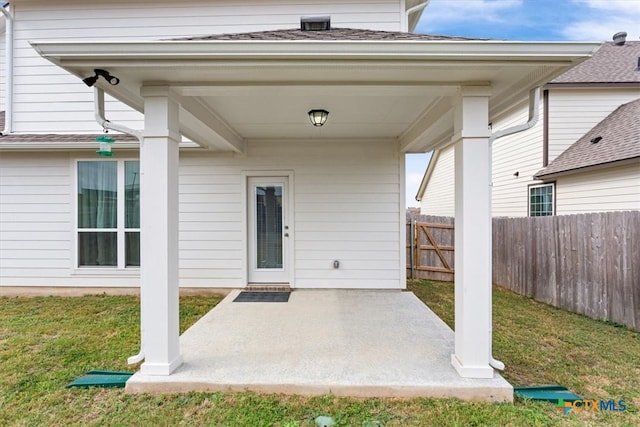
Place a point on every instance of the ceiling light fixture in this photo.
(318, 117)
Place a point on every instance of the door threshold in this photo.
(268, 287)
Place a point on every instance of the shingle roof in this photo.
(56, 137)
(332, 34)
(620, 140)
(610, 64)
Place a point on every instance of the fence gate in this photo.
(431, 249)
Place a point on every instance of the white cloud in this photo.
(603, 18)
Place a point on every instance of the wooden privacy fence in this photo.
(430, 248)
(586, 263)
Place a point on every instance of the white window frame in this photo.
(553, 198)
(120, 230)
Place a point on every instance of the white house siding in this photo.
(35, 218)
(347, 208)
(573, 112)
(37, 223)
(519, 153)
(49, 100)
(604, 190)
(439, 196)
(346, 204)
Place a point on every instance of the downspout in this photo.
(8, 50)
(107, 125)
(534, 102)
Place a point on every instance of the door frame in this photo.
(290, 242)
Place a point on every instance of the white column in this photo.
(159, 232)
(472, 235)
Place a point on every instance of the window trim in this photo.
(553, 200)
(120, 230)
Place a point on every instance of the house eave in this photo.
(458, 50)
(427, 175)
(553, 176)
(592, 85)
(509, 69)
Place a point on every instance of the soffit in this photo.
(263, 89)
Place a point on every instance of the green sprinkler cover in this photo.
(102, 379)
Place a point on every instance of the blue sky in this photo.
(583, 20)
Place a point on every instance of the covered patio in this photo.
(345, 342)
(238, 95)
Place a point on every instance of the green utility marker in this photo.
(104, 379)
(549, 393)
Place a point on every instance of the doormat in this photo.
(103, 379)
(549, 393)
(252, 296)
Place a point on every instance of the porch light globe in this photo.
(105, 142)
(318, 117)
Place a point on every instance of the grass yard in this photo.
(47, 342)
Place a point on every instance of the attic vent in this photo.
(315, 23)
(620, 38)
(596, 139)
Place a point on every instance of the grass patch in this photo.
(47, 342)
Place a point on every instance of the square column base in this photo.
(471, 371)
(161, 368)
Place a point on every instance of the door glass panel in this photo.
(268, 209)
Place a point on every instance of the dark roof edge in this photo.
(576, 85)
(622, 162)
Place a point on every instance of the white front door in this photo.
(268, 230)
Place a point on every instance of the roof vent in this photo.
(619, 38)
(315, 23)
(596, 139)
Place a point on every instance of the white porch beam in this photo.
(159, 232)
(218, 129)
(433, 125)
(473, 235)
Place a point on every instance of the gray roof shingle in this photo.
(610, 64)
(332, 34)
(57, 137)
(620, 140)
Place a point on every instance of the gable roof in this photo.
(351, 34)
(614, 139)
(610, 64)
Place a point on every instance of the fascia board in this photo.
(450, 50)
(427, 174)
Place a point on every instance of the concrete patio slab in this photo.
(346, 342)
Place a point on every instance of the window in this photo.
(108, 227)
(541, 200)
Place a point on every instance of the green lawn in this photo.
(47, 342)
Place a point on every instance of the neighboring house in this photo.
(230, 184)
(554, 168)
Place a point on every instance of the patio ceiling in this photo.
(234, 91)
